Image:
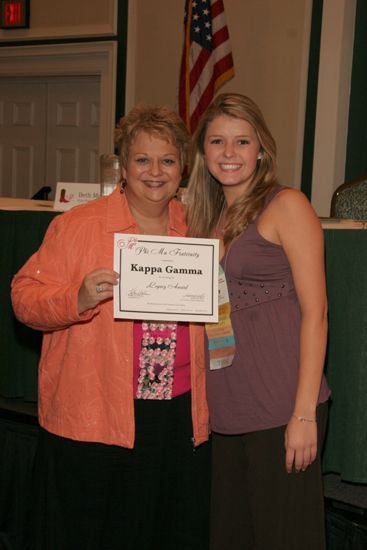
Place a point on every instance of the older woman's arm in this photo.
(45, 290)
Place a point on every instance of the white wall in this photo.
(270, 43)
(66, 19)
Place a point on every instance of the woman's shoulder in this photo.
(177, 217)
(79, 216)
(284, 196)
(291, 206)
(178, 209)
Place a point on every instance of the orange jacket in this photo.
(86, 365)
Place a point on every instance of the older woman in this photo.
(116, 467)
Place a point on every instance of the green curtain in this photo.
(21, 235)
(346, 363)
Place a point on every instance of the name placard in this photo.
(72, 194)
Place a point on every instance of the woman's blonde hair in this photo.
(204, 197)
(159, 121)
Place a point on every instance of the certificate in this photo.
(166, 278)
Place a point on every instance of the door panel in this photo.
(49, 130)
(22, 137)
(73, 128)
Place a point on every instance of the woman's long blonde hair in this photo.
(204, 197)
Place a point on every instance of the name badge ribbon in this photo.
(220, 335)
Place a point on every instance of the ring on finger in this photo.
(99, 289)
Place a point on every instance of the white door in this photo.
(49, 131)
(22, 136)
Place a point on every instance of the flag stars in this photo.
(201, 25)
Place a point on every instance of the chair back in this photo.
(349, 200)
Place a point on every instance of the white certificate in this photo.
(166, 278)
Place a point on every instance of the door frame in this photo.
(72, 59)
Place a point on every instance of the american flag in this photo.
(207, 61)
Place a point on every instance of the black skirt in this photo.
(256, 504)
(91, 496)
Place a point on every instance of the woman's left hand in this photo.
(97, 286)
(300, 444)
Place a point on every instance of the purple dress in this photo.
(257, 391)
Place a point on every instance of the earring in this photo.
(259, 156)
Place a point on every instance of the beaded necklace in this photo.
(156, 360)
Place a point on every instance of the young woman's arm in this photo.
(300, 233)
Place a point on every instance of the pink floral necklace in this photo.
(157, 360)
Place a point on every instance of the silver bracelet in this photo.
(303, 418)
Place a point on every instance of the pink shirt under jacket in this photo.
(86, 365)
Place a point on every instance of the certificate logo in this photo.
(127, 244)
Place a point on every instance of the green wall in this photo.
(356, 158)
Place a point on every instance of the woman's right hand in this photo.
(97, 286)
(300, 444)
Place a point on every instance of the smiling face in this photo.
(153, 170)
(231, 150)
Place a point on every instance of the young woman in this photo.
(268, 409)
